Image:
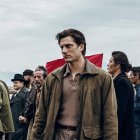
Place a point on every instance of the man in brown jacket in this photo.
(78, 100)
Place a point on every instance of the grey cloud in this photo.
(28, 29)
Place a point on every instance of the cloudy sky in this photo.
(28, 29)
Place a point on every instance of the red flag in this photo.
(95, 59)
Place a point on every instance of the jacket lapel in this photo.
(15, 98)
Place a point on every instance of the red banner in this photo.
(95, 59)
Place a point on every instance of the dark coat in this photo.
(125, 99)
(137, 106)
(17, 104)
(98, 106)
(30, 107)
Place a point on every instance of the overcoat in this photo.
(17, 104)
(125, 100)
(98, 108)
(6, 121)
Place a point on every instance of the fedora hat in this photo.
(18, 77)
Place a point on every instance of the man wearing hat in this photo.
(17, 104)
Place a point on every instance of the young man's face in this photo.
(70, 50)
(112, 66)
(132, 77)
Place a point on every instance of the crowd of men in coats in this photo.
(25, 100)
(22, 104)
(110, 107)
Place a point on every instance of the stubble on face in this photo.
(70, 50)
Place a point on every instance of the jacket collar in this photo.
(90, 69)
(122, 74)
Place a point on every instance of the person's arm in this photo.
(29, 106)
(137, 102)
(109, 110)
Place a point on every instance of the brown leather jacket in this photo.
(98, 106)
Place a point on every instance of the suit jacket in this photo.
(125, 100)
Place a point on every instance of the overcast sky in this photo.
(28, 29)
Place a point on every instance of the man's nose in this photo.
(64, 50)
(129, 77)
(36, 78)
(108, 65)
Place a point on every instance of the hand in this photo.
(23, 119)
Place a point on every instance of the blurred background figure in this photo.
(6, 121)
(17, 104)
(32, 102)
(134, 77)
(118, 66)
(28, 76)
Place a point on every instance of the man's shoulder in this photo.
(59, 69)
(58, 72)
(93, 69)
(102, 72)
(2, 83)
(24, 91)
(123, 79)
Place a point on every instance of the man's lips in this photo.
(66, 56)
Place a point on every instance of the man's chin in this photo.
(68, 60)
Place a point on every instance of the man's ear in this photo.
(81, 47)
(118, 65)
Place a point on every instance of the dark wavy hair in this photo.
(77, 36)
(135, 70)
(122, 59)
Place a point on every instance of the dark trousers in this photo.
(1, 134)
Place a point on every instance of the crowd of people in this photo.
(78, 101)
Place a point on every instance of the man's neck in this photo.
(77, 66)
(18, 90)
(116, 73)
